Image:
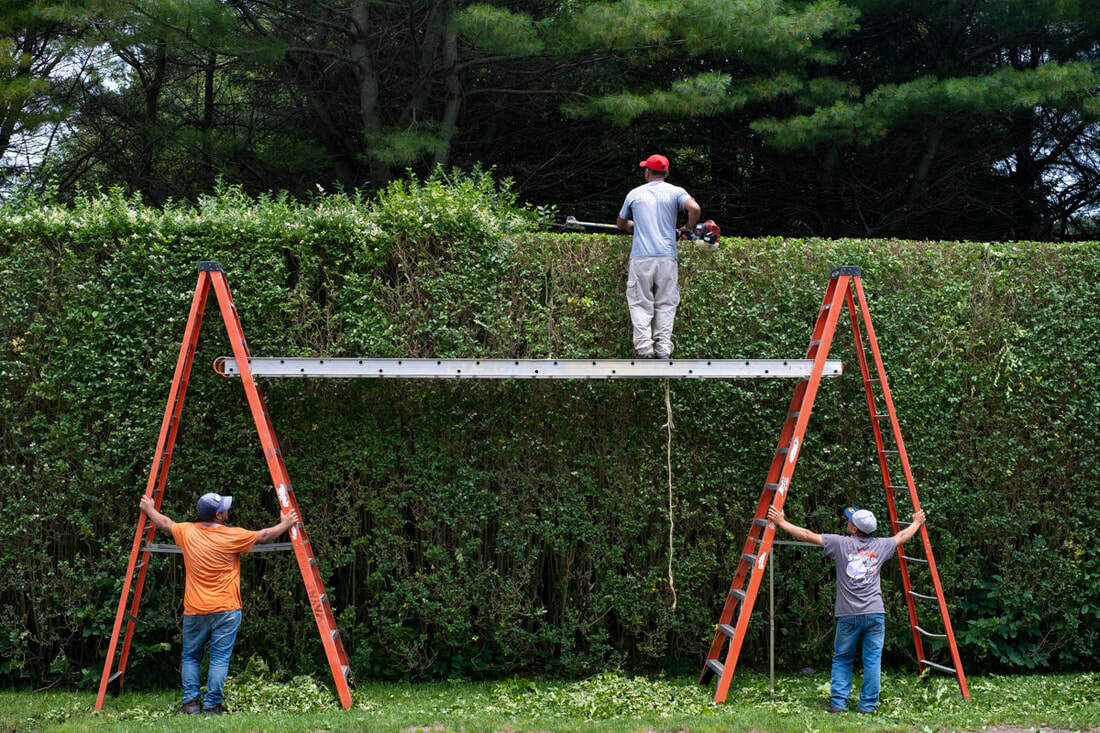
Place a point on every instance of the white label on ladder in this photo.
(284, 499)
(760, 560)
(783, 484)
(293, 533)
(792, 454)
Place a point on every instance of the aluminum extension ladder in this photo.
(844, 288)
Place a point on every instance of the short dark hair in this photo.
(657, 174)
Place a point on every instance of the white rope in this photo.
(668, 460)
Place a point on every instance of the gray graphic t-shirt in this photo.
(858, 561)
(653, 207)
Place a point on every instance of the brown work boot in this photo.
(216, 710)
(191, 707)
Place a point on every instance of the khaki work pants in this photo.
(652, 294)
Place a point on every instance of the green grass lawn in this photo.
(606, 702)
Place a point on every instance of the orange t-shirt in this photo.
(211, 556)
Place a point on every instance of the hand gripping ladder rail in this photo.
(211, 275)
(730, 635)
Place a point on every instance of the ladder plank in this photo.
(367, 368)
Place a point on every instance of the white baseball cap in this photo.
(864, 520)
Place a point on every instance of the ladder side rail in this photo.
(926, 542)
(307, 565)
(158, 475)
(755, 534)
(884, 470)
(824, 330)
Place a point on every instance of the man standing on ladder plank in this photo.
(652, 291)
(212, 594)
(860, 614)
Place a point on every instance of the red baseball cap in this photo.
(657, 163)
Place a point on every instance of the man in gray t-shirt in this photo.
(652, 291)
(860, 615)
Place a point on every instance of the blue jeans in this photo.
(869, 629)
(220, 629)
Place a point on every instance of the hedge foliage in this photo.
(485, 528)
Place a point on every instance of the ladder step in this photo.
(896, 486)
(827, 306)
(750, 557)
(890, 452)
(760, 522)
(881, 415)
(780, 451)
(715, 666)
(903, 524)
(796, 413)
(114, 677)
(335, 634)
(771, 487)
(930, 634)
(921, 595)
(323, 598)
(815, 342)
(940, 667)
(873, 381)
(140, 565)
(737, 593)
(914, 559)
(727, 630)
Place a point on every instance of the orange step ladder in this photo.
(844, 288)
(211, 275)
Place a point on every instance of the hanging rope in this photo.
(668, 461)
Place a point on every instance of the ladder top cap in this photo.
(211, 266)
(847, 270)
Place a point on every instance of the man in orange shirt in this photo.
(212, 595)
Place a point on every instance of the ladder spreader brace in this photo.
(809, 371)
(844, 288)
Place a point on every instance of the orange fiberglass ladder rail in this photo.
(729, 636)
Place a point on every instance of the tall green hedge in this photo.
(486, 528)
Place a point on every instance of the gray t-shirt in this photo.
(653, 207)
(858, 560)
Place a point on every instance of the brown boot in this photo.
(191, 707)
(216, 710)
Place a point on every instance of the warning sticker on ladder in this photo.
(761, 560)
(793, 453)
(783, 484)
(284, 498)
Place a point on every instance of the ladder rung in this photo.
(896, 486)
(940, 667)
(323, 598)
(921, 595)
(760, 522)
(913, 559)
(114, 677)
(737, 593)
(780, 451)
(771, 487)
(815, 342)
(890, 452)
(727, 630)
(796, 413)
(882, 414)
(335, 634)
(140, 565)
(930, 634)
(903, 524)
(715, 666)
(876, 379)
(750, 557)
(827, 306)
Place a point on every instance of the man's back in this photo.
(858, 560)
(211, 555)
(653, 207)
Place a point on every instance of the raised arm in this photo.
(162, 522)
(271, 533)
(693, 210)
(907, 534)
(799, 533)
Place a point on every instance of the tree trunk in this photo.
(449, 122)
(369, 112)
